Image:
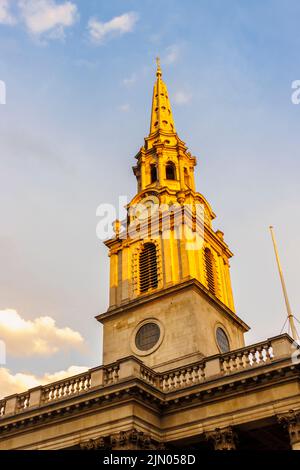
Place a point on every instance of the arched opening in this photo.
(170, 171)
(148, 268)
(153, 172)
(210, 270)
(186, 178)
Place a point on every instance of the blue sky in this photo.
(79, 89)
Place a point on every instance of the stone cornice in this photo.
(191, 283)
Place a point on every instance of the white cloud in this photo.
(182, 97)
(48, 17)
(171, 55)
(130, 80)
(5, 15)
(40, 336)
(117, 26)
(124, 107)
(20, 382)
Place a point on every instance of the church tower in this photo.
(171, 300)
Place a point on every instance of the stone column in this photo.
(291, 422)
(223, 439)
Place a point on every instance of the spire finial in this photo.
(161, 114)
(158, 70)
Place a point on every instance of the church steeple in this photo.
(169, 270)
(161, 114)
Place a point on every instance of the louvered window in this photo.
(148, 267)
(210, 271)
(153, 170)
(170, 171)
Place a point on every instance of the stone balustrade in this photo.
(182, 377)
(218, 366)
(66, 388)
(255, 355)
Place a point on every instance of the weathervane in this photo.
(158, 72)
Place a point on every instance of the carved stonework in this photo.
(132, 439)
(94, 444)
(123, 440)
(291, 421)
(223, 439)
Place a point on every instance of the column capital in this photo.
(131, 440)
(223, 439)
(94, 444)
(291, 422)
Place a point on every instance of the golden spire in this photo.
(161, 115)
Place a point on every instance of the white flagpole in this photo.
(287, 302)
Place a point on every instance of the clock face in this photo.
(146, 207)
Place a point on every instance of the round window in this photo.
(222, 340)
(147, 336)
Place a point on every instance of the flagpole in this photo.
(287, 302)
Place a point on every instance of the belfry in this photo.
(176, 372)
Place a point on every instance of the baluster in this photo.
(51, 394)
(177, 379)
(195, 373)
(172, 382)
(261, 353)
(254, 357)
(161, 382)
(268, 353)
(202, 371)
(115, 374)
(165, 382)
(76, 386)
(82, 383)
(64, 389)
(189, 376)
(84, 379)
(234, 362)
(240, 360)
(56, 391)
(247, 357)
(183, 377)
(86, 383)
(227, 367)
(59, 390)
(71, 387)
